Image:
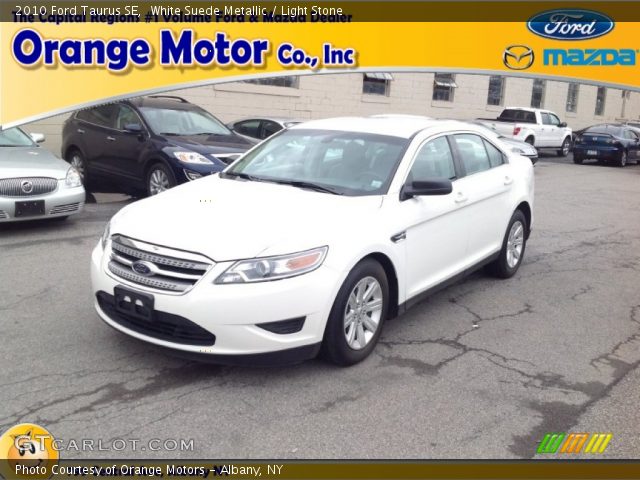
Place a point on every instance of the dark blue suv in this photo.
(147, 145)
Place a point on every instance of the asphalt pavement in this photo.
(482, 369)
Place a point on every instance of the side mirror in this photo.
(37, 137)
(133, 127)
(563, 125)
(431, 186)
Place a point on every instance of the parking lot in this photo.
(482, 369)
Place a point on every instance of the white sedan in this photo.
(313, 239)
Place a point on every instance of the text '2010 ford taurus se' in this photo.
(314, 238)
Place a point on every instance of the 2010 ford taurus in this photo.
(314, 238)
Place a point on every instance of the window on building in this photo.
(496, 90)
(444, 84)
(537, 93)
(376, 83)
(572, 98)
(601, 97)
(290, 82)
(626, 95)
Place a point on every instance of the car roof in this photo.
(274, 119)
(176, 103)
(403, 126)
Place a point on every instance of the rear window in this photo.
(518, 116)
(607, 130)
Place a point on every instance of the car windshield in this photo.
(345, 163)
(170, 121)
(14, 137)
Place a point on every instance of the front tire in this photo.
(159, 179)
(513, 246)
(565, 148)
(357, 315)
(77, 161)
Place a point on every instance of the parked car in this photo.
(335, 226)
(608, 143)
(259, 128)
(540, 128)
(517, 146)
(34, 183)
(147, 144)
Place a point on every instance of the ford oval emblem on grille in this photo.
(143, 268)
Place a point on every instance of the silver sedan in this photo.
(34, 183)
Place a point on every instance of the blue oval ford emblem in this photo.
(142, 268)
(570, 24)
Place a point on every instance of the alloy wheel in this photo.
(77, 163)
(363, 312)
(515, 242)
(158, 182)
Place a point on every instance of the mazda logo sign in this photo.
(518, 57)
(26, 186)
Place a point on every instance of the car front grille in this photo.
(27, 186)
(156, 267)
(68, 208)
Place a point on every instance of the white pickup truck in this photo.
(540, 128)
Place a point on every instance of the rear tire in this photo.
(513, 247)
(159, 179)
(529, 140)
(622, 161)
(358, 313)
(565, 148)
(577, 160)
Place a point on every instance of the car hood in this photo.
(31, 162)
(211, 144)
(228, 219)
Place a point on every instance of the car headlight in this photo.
(273, 268)
(105, 234)
(191, 157)
(73, 178)
(517, 150)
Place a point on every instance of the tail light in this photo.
(516, 131)
(578, 139)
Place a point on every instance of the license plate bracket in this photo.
(137, 305)
(29, 208)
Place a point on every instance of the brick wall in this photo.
(327, 95)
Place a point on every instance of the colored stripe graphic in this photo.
(574, 443)
(550, 443)
(598, 443)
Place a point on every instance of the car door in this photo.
(436, 226)
(556, 133)
(486, 185)
(94, 126)
(544, 139)
(124, 147)
(633, 144)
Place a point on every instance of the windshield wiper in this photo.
(309, 185)
(244, 176)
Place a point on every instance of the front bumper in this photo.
(62, 202)
(230, 313)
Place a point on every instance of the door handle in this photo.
(461, 198)
(111, 139)
(508, 180)
(80, 131)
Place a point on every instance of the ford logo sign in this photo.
(570, 24)
(143, 268)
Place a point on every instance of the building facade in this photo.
(438, 95)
